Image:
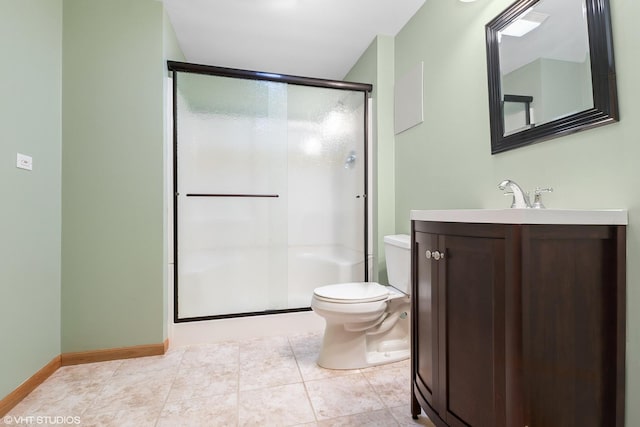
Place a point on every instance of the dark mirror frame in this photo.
(603, 75)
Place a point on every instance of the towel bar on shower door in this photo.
(230, 195)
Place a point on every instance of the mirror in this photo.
(550, 71)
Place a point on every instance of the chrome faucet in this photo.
(520, 198)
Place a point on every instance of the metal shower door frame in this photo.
(175, 67)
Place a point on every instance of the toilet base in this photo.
(342, 349)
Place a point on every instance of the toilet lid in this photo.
(353, 292)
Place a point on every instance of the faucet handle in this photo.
(537, 200)
(539, 190)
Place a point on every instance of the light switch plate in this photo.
(24, 162)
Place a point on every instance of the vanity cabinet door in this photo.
(471, 280)
(459, 329)
(573, 325)
(425, 318)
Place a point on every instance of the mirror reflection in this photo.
(550, 71)
(545, 68)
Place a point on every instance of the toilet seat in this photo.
(352, 293)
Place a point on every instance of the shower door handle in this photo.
(230, 195)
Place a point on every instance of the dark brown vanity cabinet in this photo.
(518, 325)
(459, 329)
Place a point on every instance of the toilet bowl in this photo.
(367, 323)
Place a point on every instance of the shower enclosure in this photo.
(269, 179)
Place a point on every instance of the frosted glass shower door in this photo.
(231, 161)
(327, 203)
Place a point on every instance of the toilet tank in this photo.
(398, 259)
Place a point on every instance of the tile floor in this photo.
(262, 382)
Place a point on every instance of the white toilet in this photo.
(367, 323)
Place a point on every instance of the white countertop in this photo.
(525, 216)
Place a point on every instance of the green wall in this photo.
(171, 52)
(113, 194)
(30, 84)
(446, 163)
(375, 66)
(83, 254)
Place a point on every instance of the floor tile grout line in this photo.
(173, 381)
(101, 382)
(304, 383)
(238, 386)
(98, 393)
(375, 390)
(386, 407)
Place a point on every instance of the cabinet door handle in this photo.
(436, 255)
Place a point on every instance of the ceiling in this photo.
(311, 38)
